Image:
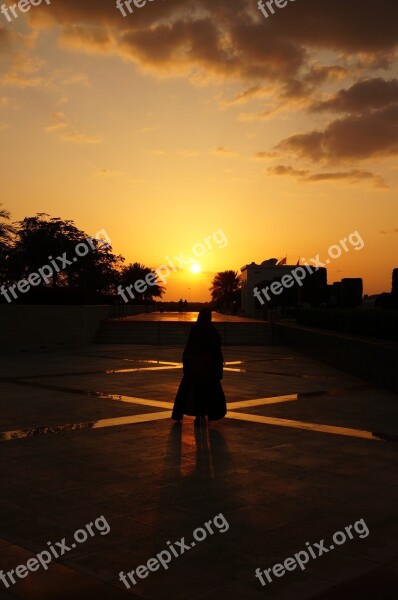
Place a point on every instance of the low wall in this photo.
(174, 333)
(120, 311)
(371, 323)
(373, 360)
(32, 327)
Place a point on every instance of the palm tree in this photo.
(132, 273)
(225, 288)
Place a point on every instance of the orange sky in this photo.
(192, 116)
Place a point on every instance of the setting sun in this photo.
(196, 268)
(237, 144)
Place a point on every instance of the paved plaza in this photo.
(305, 451)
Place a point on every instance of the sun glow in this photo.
(195, 268)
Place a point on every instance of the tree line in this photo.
(27, 245)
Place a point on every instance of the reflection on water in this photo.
(20, 434)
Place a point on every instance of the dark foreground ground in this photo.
(305, 452)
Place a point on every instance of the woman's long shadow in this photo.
(199, 482)
(199, 479)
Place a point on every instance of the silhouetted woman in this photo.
(200, 393)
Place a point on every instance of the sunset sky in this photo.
(191, 116)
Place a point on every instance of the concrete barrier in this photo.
(370, 359)
(33, 327)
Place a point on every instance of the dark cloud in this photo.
(364, 95)
(352, 176)
(372, 134)
(306, 83)
(7, 37)
(3, 37)
(277, 58)
(262, 155)
(286, 170)
(352, 27)
(232, 38)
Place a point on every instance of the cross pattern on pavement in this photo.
(167, 406)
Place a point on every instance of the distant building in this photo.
(351, 291)
(348, 292)
(394, 289)
(312, 291)
(389, 301)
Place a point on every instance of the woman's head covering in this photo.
(204, 316)
(203, 332)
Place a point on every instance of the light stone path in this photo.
(304, 451)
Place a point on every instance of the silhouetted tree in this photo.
(39, 240)
(225, 288)
(6, 233)
(6, 229)
(132, 273)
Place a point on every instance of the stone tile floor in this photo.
(315, 453)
